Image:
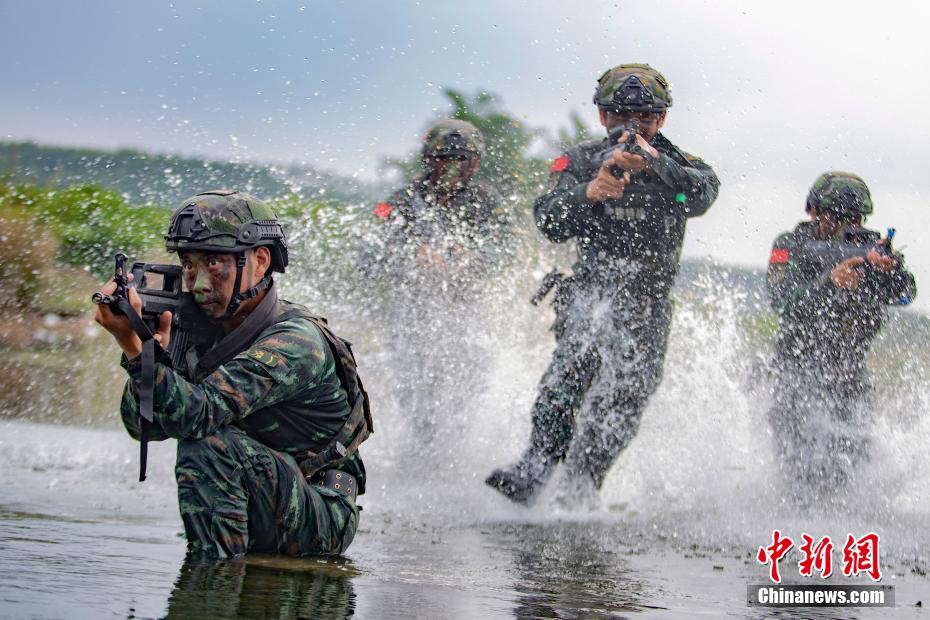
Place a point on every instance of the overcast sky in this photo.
(770, 93)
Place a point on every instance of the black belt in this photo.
(337, 480)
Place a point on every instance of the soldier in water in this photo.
(626, 200)
(439, 245)
(830, 281)
(264, 403)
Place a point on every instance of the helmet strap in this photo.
(241, 296)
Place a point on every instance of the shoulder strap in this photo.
(238, 340)
(358, 426)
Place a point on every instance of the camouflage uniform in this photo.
(469, 226)
(239, 427)
(613, 314)
(435, 359)
(822, 392)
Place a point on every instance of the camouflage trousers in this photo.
(607, 363)
(237, 495)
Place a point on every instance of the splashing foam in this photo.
(701, 471)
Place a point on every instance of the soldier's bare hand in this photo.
(632, 162)
(121, 328)
(605, 186)
(882, 262)
(117, 324)
(642, 142)
(162, 335)
(848, 274)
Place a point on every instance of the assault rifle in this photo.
(615, 145)
(820, 255)
(159, 286)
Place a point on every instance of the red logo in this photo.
(773, 553)
(559, 164)
(383, 210)
(779, 255)
(861, 556)
(817, 557)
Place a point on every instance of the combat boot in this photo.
(522, 481)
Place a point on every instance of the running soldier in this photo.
(626, 200)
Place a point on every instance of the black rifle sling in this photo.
(147, 389)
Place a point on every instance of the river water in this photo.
(681, 516)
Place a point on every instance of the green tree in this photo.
(93, 224)
(27, 252)
(577, 131)
(89, 223)
(506, 163)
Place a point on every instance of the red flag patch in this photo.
(383, 210)
(559, 164)
(779, 255)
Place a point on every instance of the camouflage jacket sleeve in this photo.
(795, 294)
(696, 181)
(129, 411)
(897, 287)
(284, 365)
(564, 211)
(791, 292)
(380, 249)
(389, 216)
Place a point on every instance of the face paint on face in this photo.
(209, 277)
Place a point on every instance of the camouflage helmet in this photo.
(452, 138)
(227, 221)
(635, 87)
(842, 193)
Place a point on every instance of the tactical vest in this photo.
(358, 426)
(647, 225)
